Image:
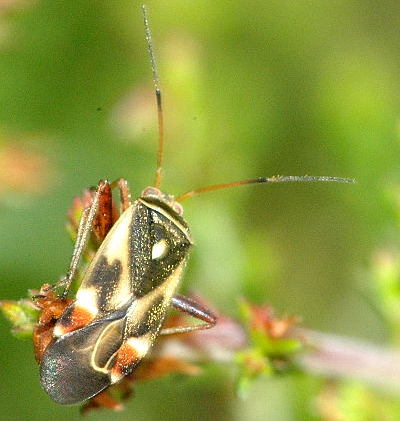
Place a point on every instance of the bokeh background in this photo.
(251, 88)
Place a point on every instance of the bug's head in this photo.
(154, 194)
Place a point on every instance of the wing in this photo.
(75, 367)
(119, 307)
(141, 251)
(80, 364)
(107, 285)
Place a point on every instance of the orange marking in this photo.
(78, 318)
(127, 355)
(51, 308)
(42, 336)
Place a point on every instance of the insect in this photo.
(124, 296)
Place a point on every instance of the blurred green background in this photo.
(251, 89)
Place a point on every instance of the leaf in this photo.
(22, 315)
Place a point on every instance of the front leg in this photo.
(103, 220)
(124, 193)
(194, 309)
(107, 212)
(98, 216)
(101, 199)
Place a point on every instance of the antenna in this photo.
(160, 152)
(156, 81)
(274, 179)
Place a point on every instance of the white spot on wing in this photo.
(58, 331)
(87, 298)
(115, 377)
(117, 245)
(159, 250)
(140, 345)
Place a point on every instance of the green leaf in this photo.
(22, 315)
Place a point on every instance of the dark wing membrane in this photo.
(76, 366)
(149, 269)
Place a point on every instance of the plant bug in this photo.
(131, 282)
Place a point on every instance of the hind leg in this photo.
(192, 308)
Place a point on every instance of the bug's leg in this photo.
(103, 220)
(102, 400)
(125, 194)
(84, 230)
(107, 213)
(51, 308)
(194, 309)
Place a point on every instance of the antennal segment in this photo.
(156, 81)
(274, 179)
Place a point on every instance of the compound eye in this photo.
(178, 208)
(151, 191)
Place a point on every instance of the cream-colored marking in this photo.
(140, 346)
(87, 298)
(139, 310)
(115, 244)
(58, 331)
(115, 247)
(143, 305)
(115, 377)
(166, 290)
(159, 250)
(184, 230)
(102, 338)
(171, 283)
